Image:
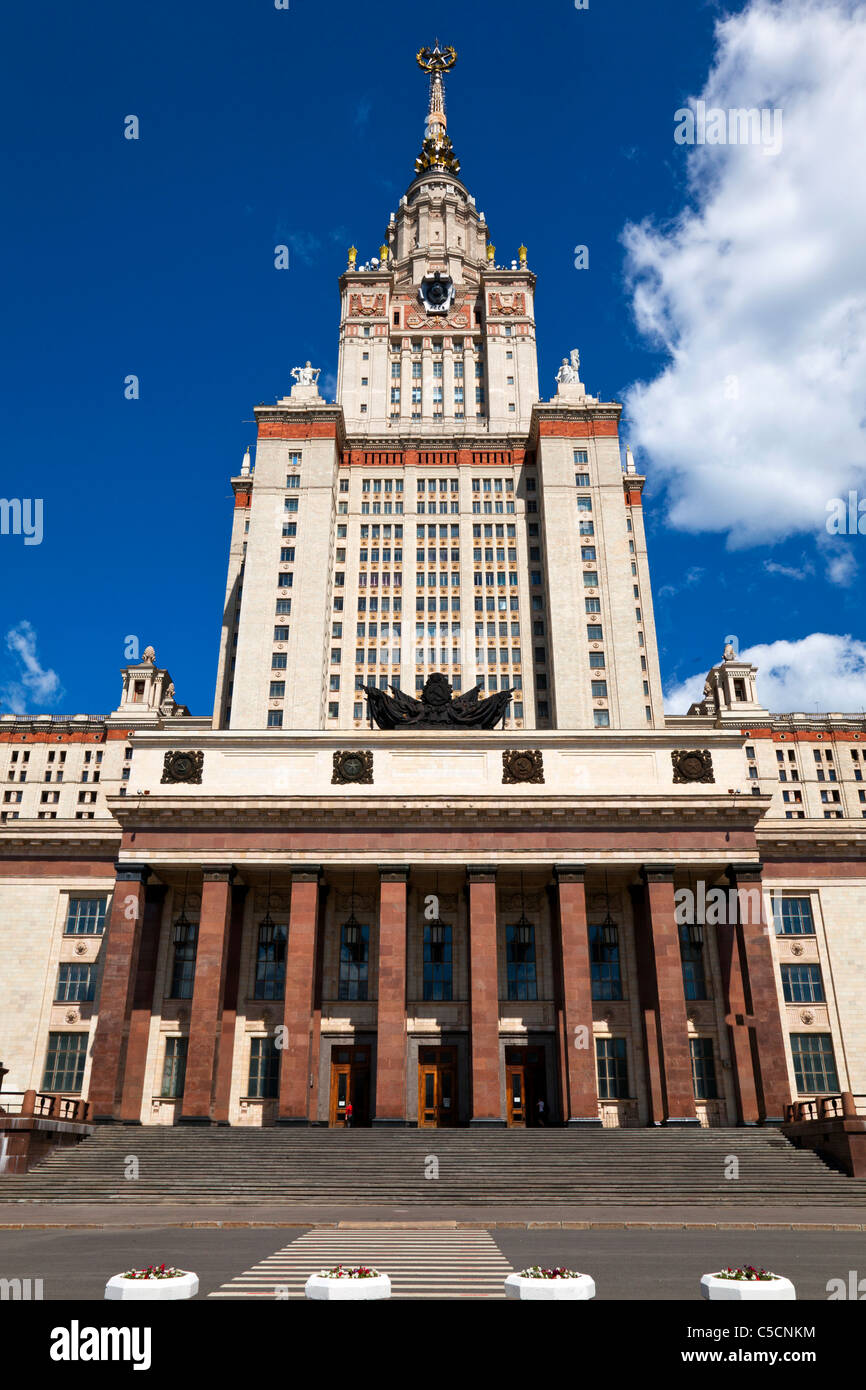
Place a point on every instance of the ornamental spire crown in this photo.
(437, 152)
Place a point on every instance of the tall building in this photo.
(438, 852)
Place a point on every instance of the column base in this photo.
(294, 1121)
(386, 1122)
(583, 1122)
(133, 1123)
(487, 1122)
(103, 1120)
(194, 1120)
(773, 1120)
(682, 1122)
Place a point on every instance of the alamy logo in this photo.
(22, 516)
(738, 126)
(21, 1290)
(77, 1343)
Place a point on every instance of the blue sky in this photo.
(261, 126)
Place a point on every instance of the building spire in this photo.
(437, 152)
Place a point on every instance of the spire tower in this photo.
(437, 152)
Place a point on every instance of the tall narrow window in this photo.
(612, 1068)
(692, 956)
(185, 938)
(520, 948)
(354, 959)
(604, 961)
(271, 960)
(703, 1069)
(437, 961)
(814, 1063)
(174, 1068)
(264, 1075)
(64, 1062)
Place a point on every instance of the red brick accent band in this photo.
(298, 1006)
(484, 996)
(391, 1025)
(207, 994)
(121, 949)
(581, 1098)
(577, 429)
(297, 429)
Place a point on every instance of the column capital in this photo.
(132, 873)
(481, 873)
(310, 874)
(569, 873)
(657, 873)
(218, 873)
(393, 873)
(744, 873)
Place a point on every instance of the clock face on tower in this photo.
(437, 293)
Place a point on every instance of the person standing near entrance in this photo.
(540, 1111)
(349, 1112)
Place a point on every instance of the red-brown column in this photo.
(295, 1062)
(762, 999)
(142, 1007)
(484, 998)
(316, 1028)
(207, 994)
(580, 1100)
(730, 947)
(121, 948)
(671, 1021)
(646, 982)
(225, 1061)
(391, 993)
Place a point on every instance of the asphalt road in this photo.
(632, 1265)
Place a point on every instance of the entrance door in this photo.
(437, 1087)
(350, 1085)
(525, 1084)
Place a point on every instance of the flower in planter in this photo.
(162, 1271)
(557, 1272)
(350, 1272)
(746, 1273)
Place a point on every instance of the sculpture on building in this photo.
(436, 709)
(729, 653)
(306, 375)
(569, 372)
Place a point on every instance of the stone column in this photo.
(730, 947)
(484, 997)
(670, 1014)
(762, 998)
(295, 1062)
(207, 995)
(121, 948)
(391, 1009)
(580, 1094)
(228, 1027)
(142, 1007)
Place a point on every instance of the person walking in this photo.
(540, 1111)
(349, 1112)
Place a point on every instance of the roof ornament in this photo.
(437, 152)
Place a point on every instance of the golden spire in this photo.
(437, 152)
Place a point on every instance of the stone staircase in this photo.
(368, 1167)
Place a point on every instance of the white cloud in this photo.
(757, 290)
(31, 683)
(822, 669)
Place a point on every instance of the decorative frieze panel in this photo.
(692, 765)
(182, 767)
(522, 765)
(353, 765)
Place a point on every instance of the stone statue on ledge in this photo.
(306, 375)
(569, 372)
(436, 709)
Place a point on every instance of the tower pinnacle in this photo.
(437, 152)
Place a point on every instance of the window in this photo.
(793, 916)
(85, 917)
(281, 634)
(802, 984)
(814, 1063)
(270, 960)
(703, 1069)
(64, 1062)
(601, 719)
(275, 718)
(264, 1077)
(183, 967)
(277, 690)
(74, 984)
(599, 690)
(604, 962)
(692, 956)
(437, 961)
(612, 1068)
(354, 960)
(520, 956)
(174, 1068)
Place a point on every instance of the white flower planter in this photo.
(339, 1290)
(516, 1286)
(152, 1290)
(743, 1290)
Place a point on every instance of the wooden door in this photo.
(437, 1088)
(350, 1084)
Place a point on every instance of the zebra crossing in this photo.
(419, 1263)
